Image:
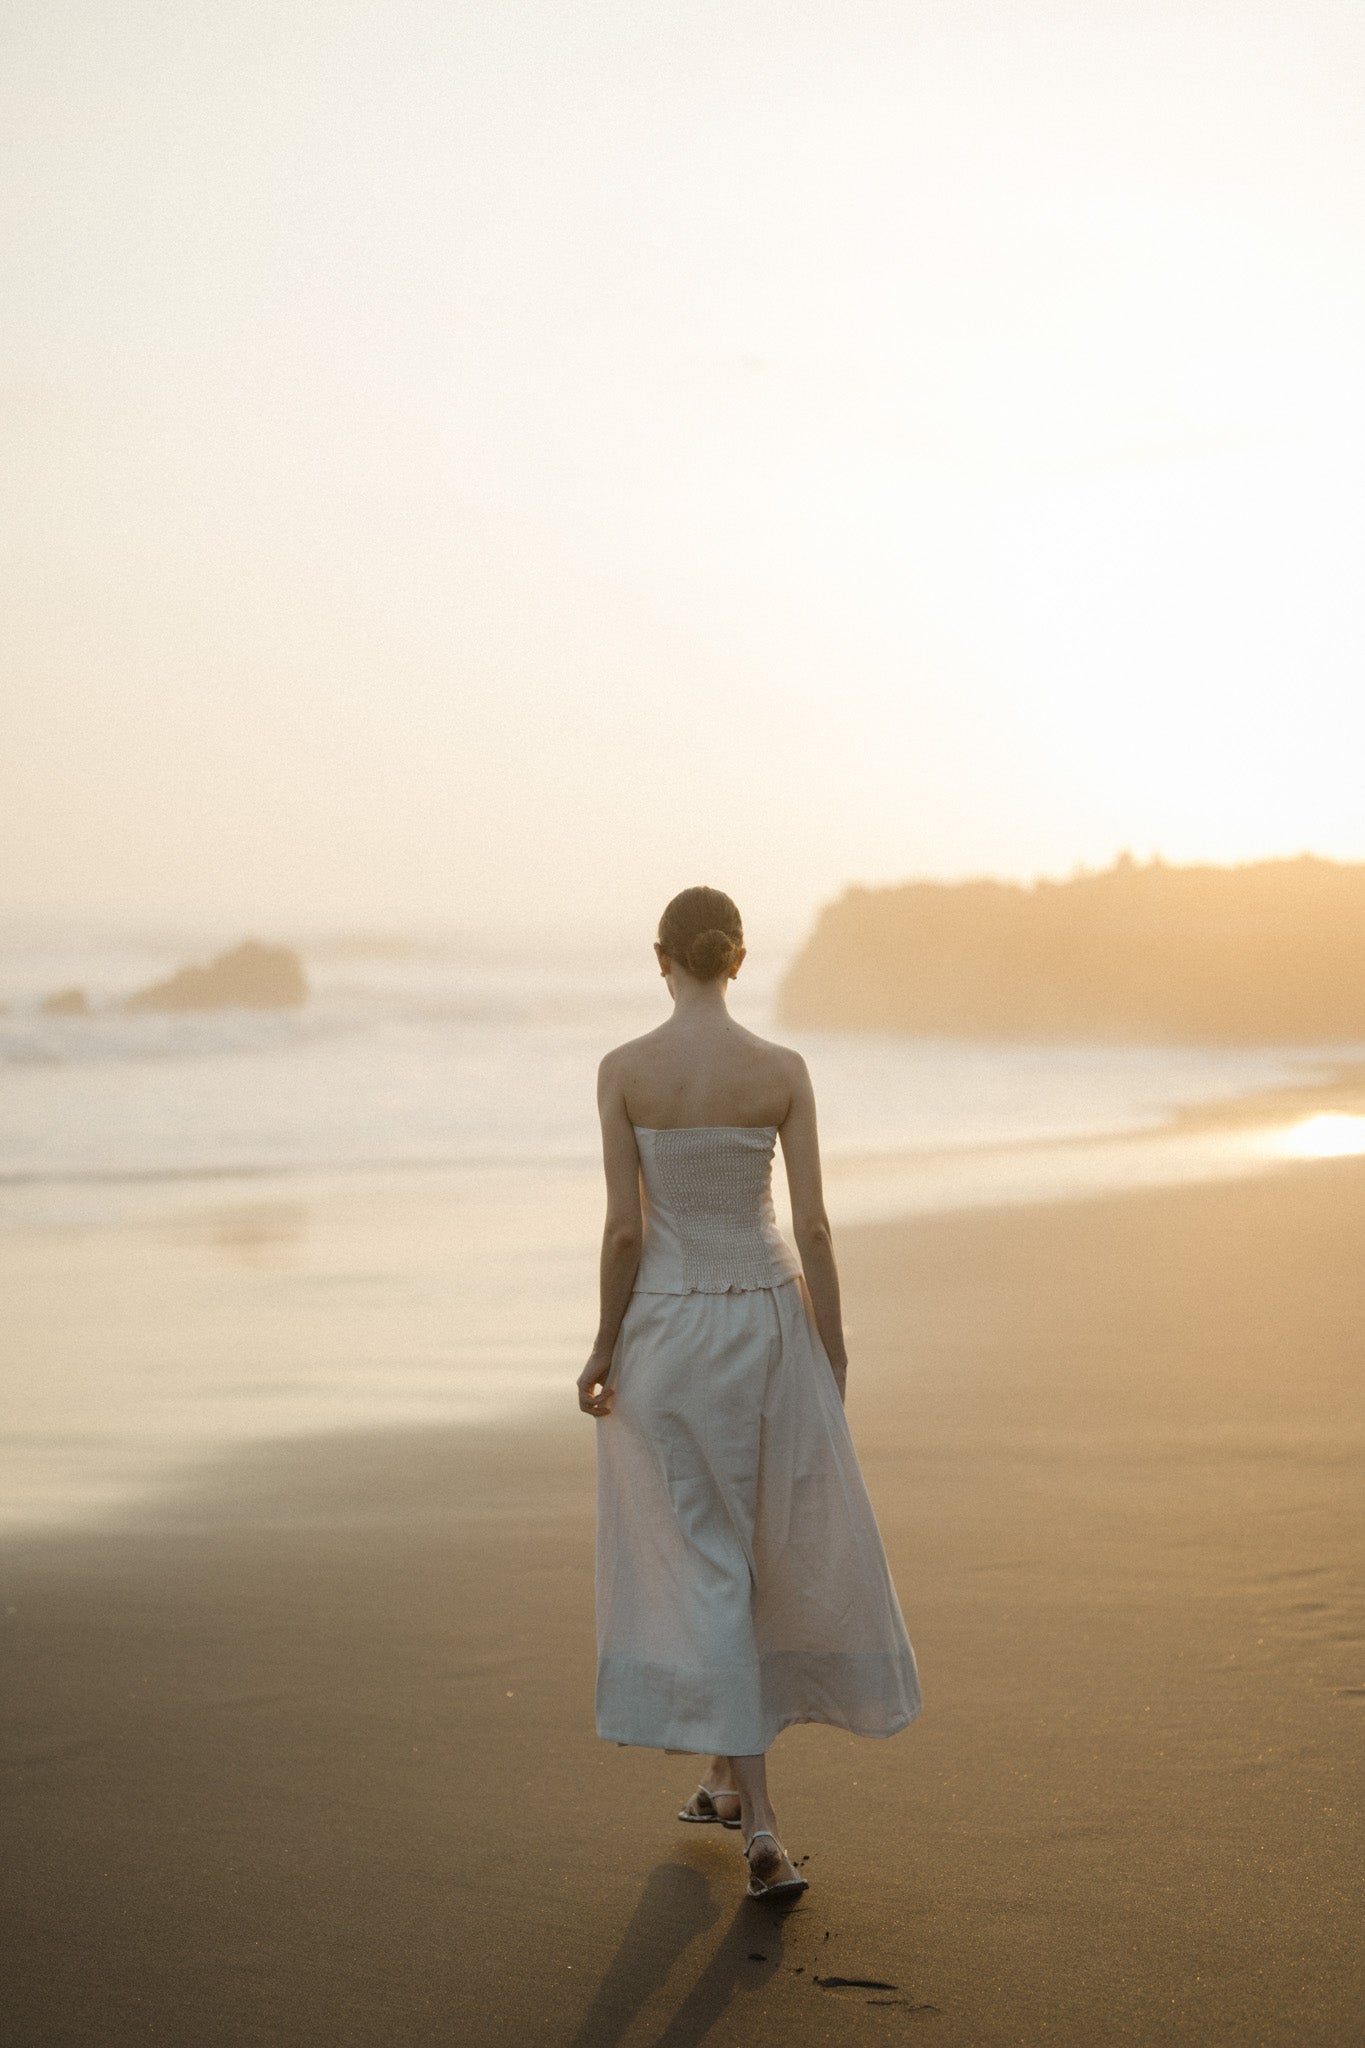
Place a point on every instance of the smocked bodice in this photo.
(707, 1194)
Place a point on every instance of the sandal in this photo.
(786, 1888)
(705, 1804)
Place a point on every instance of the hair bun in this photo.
(709, 954)
(702, 930)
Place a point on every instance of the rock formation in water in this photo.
(1273, 952)
(66, 1002)
(251, 976)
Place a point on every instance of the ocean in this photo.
(383, 1209)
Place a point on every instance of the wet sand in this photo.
(304, 1753)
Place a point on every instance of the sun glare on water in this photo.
(1328, 1135)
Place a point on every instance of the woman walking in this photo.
(741, 1581)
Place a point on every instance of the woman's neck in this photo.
(693, 998)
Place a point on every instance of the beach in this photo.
(301, 1750)
(567, 569)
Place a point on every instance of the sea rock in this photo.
(250, 977)
(67, 1002)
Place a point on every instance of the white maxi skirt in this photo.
(741, 1580)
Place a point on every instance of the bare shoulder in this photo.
(783, 1063)
(624, 1056)
(615, 1068)
(792, 1062)
(797, 1076)
(785, 1058)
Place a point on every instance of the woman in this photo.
(741, 1582)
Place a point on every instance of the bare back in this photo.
(702, 1068)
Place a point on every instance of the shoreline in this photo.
(307, 1307)
(1343, 1078)
(303, 1750)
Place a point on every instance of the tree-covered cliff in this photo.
(1270, 952)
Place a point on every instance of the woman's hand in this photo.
(594, 1395)
(840, 1377)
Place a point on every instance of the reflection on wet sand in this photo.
(248, 1232)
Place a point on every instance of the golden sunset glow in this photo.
(1330, 1134)
(946, 427)
(682, 1022)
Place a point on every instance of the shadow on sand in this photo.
(675, 1907)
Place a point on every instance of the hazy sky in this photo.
(495, 463)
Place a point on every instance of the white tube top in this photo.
(707, 1199)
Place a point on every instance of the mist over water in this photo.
(451, 1059)
(384, 1208)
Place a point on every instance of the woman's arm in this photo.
(622, 1237)
(810, 1224)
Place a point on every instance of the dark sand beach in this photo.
(304, 1753)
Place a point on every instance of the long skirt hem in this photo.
(748, 1746)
